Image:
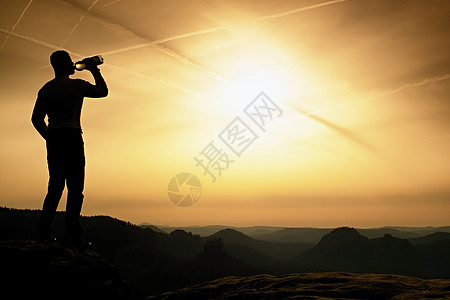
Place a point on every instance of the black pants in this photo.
(66, 162)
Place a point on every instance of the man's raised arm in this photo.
(100, 87)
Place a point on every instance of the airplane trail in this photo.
(79, 21)
(388, 92)
(161, 41)
(111, 3)
(214, 29)
(342, 131)
(184, 60)
(36, 41)
(412, 85)
(75, 54)
(297, 10)
(15, 25)
(352, 136)
(187, 61)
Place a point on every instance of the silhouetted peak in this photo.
(179, 234)
(343, 236)
(390, 242)
(388, 236)
(231, 235)
(56, 271)
(230, 231)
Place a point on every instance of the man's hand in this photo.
(38, 122)
(90, 65)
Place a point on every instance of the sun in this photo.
(249, 77)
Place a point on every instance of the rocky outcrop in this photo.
(34, 270)
(329, 285)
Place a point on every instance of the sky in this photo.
(286, 113)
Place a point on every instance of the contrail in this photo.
(38, 42)
(345, 132)
(218, 28)
(190, 63)
(297, 10)
(75, 54)
(167, 83)
(388, 92)
(15, 25)
(352, 136)
(412, 85)
(161, 41)
(79, 21)
(184, 60)
(111, 3)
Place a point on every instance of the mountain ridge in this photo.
(156, 262)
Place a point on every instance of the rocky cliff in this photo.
(32, 270)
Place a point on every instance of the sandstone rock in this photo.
(33, 270)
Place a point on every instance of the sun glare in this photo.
(251, 77)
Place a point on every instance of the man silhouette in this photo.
(61, 99)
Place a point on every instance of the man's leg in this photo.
(55, 189)
(75, 186)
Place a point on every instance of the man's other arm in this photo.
(38, 118)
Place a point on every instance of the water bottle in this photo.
(96, 60)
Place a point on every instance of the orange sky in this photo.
(363, 139)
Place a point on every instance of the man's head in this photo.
(62, 63)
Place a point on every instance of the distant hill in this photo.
(380, 232)
(422, 230)
(345, 249)
(302, 235)
(314, 286)
(205, 231)
(295, 235)
(313, 235)
(153, 227)
(271, 251)
(431, 238)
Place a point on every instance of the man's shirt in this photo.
(61, 99)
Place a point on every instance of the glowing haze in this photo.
(364, 87)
